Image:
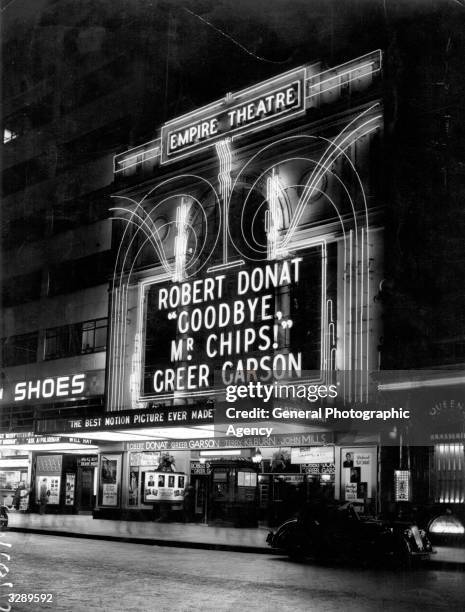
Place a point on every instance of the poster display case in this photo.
(70, 489)
(163, 486)
(110, 479)
(358, 474)
(51, 485)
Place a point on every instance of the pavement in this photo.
(184, 535)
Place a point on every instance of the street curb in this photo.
(147, 541)
(432, 564)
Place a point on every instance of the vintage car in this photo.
(338, 531)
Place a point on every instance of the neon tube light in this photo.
(180, 242)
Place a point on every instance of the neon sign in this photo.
(251, 109)
(212, 332)
(54, 388)
(275, 100)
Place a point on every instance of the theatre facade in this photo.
(243, 328)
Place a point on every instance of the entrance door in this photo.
(200, 484)
(85, 490)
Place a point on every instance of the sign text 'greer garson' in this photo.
(216, 330)
(205, 128)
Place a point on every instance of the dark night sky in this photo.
(189, 62)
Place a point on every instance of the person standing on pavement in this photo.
(189, 504)
(17, 496)
(43, 496)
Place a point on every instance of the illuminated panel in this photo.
(265, 104)
(334, 82)
(446, 525)
(180, 241)
(208, 333)
(138, 155)
(53, 388)
(273, 220)
(402, 485)
(449, 470)
(223, 150)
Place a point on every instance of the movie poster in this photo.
(48, 487)
(358, 473)
(110, 477)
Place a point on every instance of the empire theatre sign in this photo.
(269, 102)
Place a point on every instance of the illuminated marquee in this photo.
(274, 100)
(216, 330)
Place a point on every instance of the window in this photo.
(76, 339)
(8, 135)
(94, 336)
(62, 342)
(19, 350)
(30, 116)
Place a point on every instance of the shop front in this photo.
(422, 474)
(189, 473)
(220, 481)
(44, 473)
(50, 472)
(15, 472)
(61, 484)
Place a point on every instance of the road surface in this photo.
(112, 576)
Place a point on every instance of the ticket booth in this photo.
(234, 493)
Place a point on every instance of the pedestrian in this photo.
(17, 495)
(43, 496)
(189, 504)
